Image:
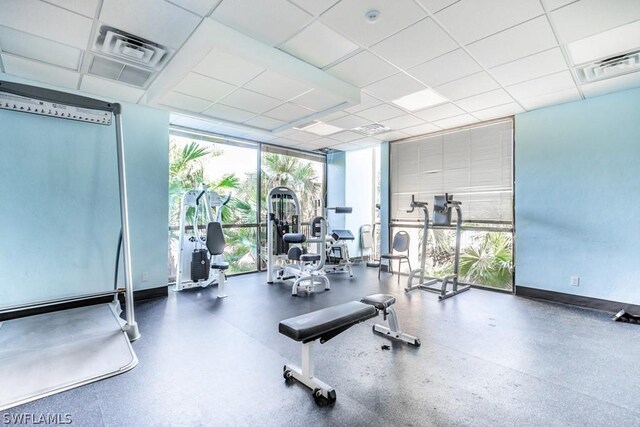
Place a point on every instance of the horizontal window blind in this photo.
(474, 164)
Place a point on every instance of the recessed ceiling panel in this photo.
(403, 122)
(228, 68)
(446, 68)
(394, 87)
(485, 100)
(362, 69)
(542, 86)
(250, 101)
(38, 48)
(318, 45)
(468, 86)
(471, 20)
(419, 43)
(452, 122)
(40, 72)
(440, 112)
(264, 123)
(517, 42)
(587, 17)
(271, 22)
(317, 100)
(421, 129)
(204, 87)
(381, 112)
(531, 67)
(288, 112)
(184, 102)
(349, 18)
(48, 21)
(225, 112)
(110, 90)
(277, 86)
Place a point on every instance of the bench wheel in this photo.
(287, 374)
(321, 400)
(416, 343)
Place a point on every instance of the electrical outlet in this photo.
(145, 276)
(575, 280)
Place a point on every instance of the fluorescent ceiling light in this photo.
(419, 100)
(323, 129)
(605, 44)
(305, 125)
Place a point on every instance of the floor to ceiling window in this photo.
(231, 166)
(475, 165)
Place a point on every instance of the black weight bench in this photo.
(331, 321)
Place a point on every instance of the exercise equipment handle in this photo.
(415, 204)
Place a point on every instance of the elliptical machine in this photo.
(194, 271)
(442, 207)
(286, 257)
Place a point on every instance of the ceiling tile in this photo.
(288, 112)
(334, 116)
(110, 90)
(225, 112)
(38, 48)
(440, 112)
(48, 21)
(485, 100)
(471, 20)
(317, 100)
(349, 122)
(559, 97)
(531, 67)
(271, 22)
(160, 22)
(542, 86)
(264, 122)
(302, 136)
(587, 17)
(315, 7)
(345, 146)
(362, 69)
(84, 7)
(250, 101)
(192, 122)
(606, 44)
(181, 101)
(199, 7)
(517, 42)
(392, 136)
(318, 45)
(284, 142)
(445, 68)
(40, 72)
(499, 112)
(421, 129)
(468, 86)
(204, 87)
(228, 68)
(555, 4)
(277, 86)
(436, 5)
(403, 122)
(381, 112)
(346, 136)
(451, 122)
(366, 101)
(615, 84)
(394, 87)
(348, 18)
(408, 48)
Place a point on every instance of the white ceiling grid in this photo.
(490, 58)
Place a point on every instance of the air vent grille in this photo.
(118, 71)
(610, 67)
(132, 49)
(372, 129)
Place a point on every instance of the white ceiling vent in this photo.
(372, 129)
(609, 67)
(127, 58)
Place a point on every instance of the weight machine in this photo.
(338, 260)
(442, 207)
(197, 266)
(286, 257)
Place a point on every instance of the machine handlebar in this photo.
(415, 204)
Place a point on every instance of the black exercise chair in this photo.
(215, 246)
(401, 242)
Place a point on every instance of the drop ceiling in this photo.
(256, 69)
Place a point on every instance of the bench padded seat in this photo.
(310, 257)
(379, 301)
(314, 325)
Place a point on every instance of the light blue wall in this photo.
(359, 182)
(384, 198)
(59, 203)
(577, 197)
(336, 187)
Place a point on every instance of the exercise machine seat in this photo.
(342, 235)
(294, 238)
(379, 301)
(310, 257)
(220, 266)
(311, 326)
